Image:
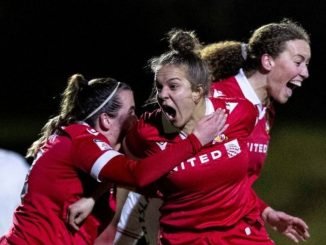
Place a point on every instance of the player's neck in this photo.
(198, 113)
(258, 82)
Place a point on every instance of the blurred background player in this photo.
(14, 169)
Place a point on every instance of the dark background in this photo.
(43, 42)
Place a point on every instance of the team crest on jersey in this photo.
(232, 148)
(102, 145)
(162, 145)
(220, 138)
(217, 93)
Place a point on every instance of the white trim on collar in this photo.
(246, 88)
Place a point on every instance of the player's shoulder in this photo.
(77, 130)
(226, 87)
(230, 99)
(224, 82)
(241, 105)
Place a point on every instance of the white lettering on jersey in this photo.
(230, 106)
(232, 148)
(256, 147)
(162, 145)
(217, 93)
(102, 145)
(201, 159)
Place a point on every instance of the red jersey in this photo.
(258, 141)
(61, 174)
(210, 189)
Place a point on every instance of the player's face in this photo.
(125, 115)
(175, 95)
(289, 70)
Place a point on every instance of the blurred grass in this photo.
(294, 177)
(18, 133)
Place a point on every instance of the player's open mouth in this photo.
(294, 84)
(169, 112)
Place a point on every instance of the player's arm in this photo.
(125, 171)
(114, 167)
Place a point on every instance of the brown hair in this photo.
(226, 58)
(80, 98)
(184, 52)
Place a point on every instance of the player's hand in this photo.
(292, 227)
(211, 126)
(78, 212)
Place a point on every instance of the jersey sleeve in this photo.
(92, 153)
(260, 203)
(136, 140)
(140, 173)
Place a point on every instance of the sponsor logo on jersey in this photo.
(102, 145)
(92, 131)
(257, 147)
(162, 145)
(232, 148)
(199, 160)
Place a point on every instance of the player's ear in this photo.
(267, 62)
(197, 94)
(104, 121)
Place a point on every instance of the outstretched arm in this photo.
(125, 171)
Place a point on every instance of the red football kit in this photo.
(61, 174)
(208, 196)
(258, 141)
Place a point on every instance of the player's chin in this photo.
(282, 99)
(177, 123)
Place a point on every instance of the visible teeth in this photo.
(296, 83)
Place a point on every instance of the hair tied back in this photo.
(244, 51)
